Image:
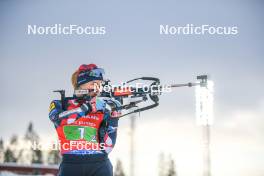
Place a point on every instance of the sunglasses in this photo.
(98, 72)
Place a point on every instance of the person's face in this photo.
(93, 86)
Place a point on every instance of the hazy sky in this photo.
(32, 66)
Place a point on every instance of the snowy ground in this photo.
(4, 173)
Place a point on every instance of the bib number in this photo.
(72, 132)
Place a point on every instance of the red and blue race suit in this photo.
(82, 131)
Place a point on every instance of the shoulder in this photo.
(55, 105)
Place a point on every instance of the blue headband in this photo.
(90, 75)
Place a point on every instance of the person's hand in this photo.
(97, 104)
(116, 114)
(113, 106)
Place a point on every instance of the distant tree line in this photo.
(166, 165)
(16, 152)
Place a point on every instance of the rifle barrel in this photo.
(185, 85)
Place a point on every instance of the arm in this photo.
(56, 114)
(108, 130)
(54, 110)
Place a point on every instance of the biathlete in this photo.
(86, 126)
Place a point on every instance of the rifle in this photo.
(150, 92)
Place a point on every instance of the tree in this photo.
(119, 169)
(12, 152)
(166, 165)
(171, 169)
(2, 152)
(14, 140)
(20, 149)
(9, 156)
(31, 135)
(32, 155)
(37, 156)
(54, 157)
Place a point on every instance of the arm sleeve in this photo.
(108, 132)
(110, 124)
(56, 114)
(54, 110)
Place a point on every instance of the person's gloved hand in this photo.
(113, 106)
(97, 104)
(94, 105)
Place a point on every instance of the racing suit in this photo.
(87, 133)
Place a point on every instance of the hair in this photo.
(74, 79)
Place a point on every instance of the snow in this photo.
(5, 173)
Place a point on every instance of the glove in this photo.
(97, 104)
(113, 106)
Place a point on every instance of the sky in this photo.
(32, 66)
